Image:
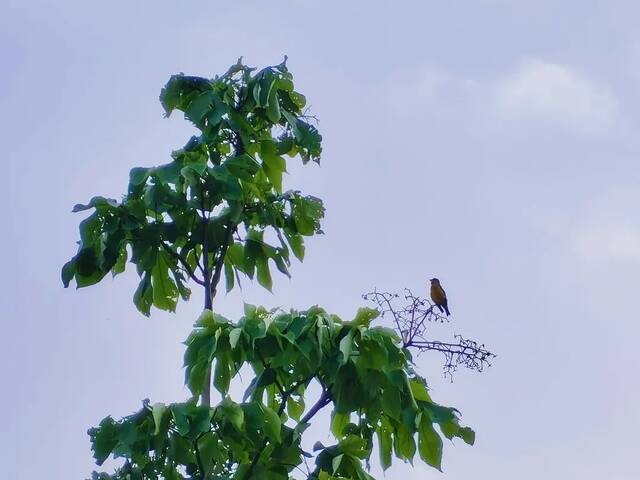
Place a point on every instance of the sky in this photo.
(492, 143)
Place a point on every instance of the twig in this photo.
(183, 262)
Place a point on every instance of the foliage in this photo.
(364, 374)
(214, 203)
(219, 207)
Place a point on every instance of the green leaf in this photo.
(138, 176)
(229, 276)
(206, 319)
(199, 107)
(165, 292)
(295, 408)
(338, 422)
(96, 202)
(222, 375)
(104, 439)
(345, 346)
(209, 452)
(158, 410)
(364, 316)
(405, 444)
(242, 166)
(68, 271)
(384, 445)
(354, 446)
(233, 413)
(307, 212)
(267, 82)
(143, 296)
(264, 275)
(419, 390)
(273, 164)
(272, 424)
(121, 262)
(234, 336)
(296, 242)
(429, 443)
(467, 435)
(273, 107)
(336, 462)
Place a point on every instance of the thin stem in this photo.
(210, 291)
(208, 304)
(199, 460)
(183, 262)
(217, 273)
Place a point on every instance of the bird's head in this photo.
(435, 281)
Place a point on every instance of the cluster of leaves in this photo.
(215, 205)
(363, 372)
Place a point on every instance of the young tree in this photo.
(218, 207)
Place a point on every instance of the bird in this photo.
(439, 296)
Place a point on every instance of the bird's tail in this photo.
(446, 309)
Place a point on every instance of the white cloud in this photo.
(556, 95)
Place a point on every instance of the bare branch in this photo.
(412, 315)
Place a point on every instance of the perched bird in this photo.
(439, 296)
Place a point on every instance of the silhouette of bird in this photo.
(439, 296)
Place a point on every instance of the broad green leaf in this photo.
(232, 412)
(242, 166)
(307, 212)
(229, 276)
(143, 296)
(222, 374)
(364, 316)
(206, 319)
(468, 435)
(68, 271)
(336, 462)
(104, 439)
(419, 390)
(138, 175)
(345, 346)
(296, 242)
(158, 411)
(273, 106)
(295, 407)
(165, 292)
(385, 445)
(272, 424)
(209, 451)
(234, 336)
(405, 445)
(338, 422)
(273, 164)
(96, 202)
(199, 107)
(121, 262)
(354, 446)
(429, 443)
(264, 275)
(267, 82)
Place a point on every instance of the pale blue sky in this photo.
(490, 142)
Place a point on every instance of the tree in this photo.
(218, 207)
